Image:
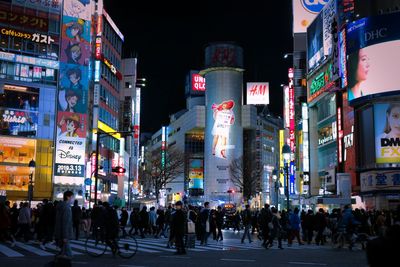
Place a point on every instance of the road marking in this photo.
(175, 257)
(307, 263)
(34, 250)
(237, 260)
(124, 265)
(9, 252)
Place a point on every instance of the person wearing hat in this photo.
(178, 227)
(72, 124)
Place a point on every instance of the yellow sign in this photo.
(281, 163)
(107, 129)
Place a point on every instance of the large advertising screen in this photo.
(224, 118)
(257, 93)
(387, 132)
(196, 174)
(373, 47)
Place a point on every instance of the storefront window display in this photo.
(15, 154)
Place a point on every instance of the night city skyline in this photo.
(169, 44)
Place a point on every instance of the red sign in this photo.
(225, 56)
(98, 48)
(136, 129)
(340, 133)
(198, 82)
(291, 111)
(112, 68)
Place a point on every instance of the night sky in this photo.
(170, 43)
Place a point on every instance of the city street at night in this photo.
(212, 133)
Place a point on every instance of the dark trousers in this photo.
(265, 234)
(76, 229)
(292, 235)
(180, 245)
(219, 235)
(319, 238)
(272, 237)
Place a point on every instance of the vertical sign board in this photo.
(286, 106)
(281, 160)
(292, 173)
(306, 155)
(72, 101)
(340, 134)
(291, 110)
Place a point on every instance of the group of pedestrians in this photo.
(60, 221)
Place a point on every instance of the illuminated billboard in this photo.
(373, 48)
(196, 174)
(387, 132)
(304, 12)
(257, 93)
(224, 118)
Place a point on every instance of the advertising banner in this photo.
(382, 180)
(328, 16)
(73, 94)
(387, 132)
(304, 12)
(75, 45)
(224, 118)
(198, 83)
(315, 44)
(373, 48)
(257, 93)
(18, 122)
(196, 174)
(70, 156)
(292, 178)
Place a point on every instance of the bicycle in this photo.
(96, 244)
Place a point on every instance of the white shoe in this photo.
(42, 247)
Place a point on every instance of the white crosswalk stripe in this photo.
(145, 245)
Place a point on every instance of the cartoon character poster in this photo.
(72, 95)
(78, 9)
(75, 45)
(224, 118)
(71, 124)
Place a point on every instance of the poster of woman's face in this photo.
(374, 69)
(387, 132)
(75, 46)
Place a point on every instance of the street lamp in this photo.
(286, 151)
(286, 55)
(276, 185)
(31, 165)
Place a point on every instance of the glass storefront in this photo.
(15, 154)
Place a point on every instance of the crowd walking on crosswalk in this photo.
(64, 225)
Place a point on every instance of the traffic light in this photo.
(231, 191)
(118, 170)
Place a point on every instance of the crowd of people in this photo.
(59, 221)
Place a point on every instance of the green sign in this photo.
(321, 80)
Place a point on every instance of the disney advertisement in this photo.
(70, 156)
(72, 95)
(71, 124)
(224, 118)
(75, 45)
(387, 132)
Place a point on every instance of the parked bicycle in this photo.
(97, 244)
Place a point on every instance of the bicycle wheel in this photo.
(95, 246)
(127, 247)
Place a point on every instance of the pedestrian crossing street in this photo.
(145, 245)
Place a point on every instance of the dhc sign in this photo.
(314, 6)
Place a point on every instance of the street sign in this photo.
(88, 181)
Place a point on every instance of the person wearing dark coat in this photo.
(123, 220)
(178, 227)
(144, 221)
(220, 222)
(63, 227)
(76, 218)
